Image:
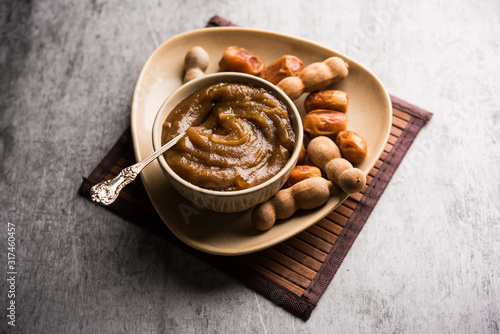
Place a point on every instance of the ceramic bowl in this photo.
(227, 201)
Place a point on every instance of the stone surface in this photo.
(427, 261)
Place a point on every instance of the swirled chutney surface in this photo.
(238, 136)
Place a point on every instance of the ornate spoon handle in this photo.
(107, 192)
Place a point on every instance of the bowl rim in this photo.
(293, 113)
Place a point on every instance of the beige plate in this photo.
(369, 114)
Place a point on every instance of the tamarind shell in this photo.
(307, 194)
(352, 180)
(321, 150)
(335, 168)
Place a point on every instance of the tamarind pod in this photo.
(307, 194)
(293, 87)
(334, 168)
(315, 76)
(325, 154)
(352, 180)
(195, 63)
(321, 150)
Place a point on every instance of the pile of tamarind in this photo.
(332, 150)
(307, 188)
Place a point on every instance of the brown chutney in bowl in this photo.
(238, 136)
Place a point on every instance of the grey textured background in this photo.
(427, 261)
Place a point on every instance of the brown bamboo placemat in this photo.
(295, 273)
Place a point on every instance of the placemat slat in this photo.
(289, 263)
(124, 162)
(307, 249)
(343, 212)
(295, 289)
(314, 241)
(356, 197)
(383, 156)
(338, 218)
(322, 234)
(392, 139)
(350, 204)
(373, 172)
(399, 122)
(298, 256)
(330, 226)
(396, 131)
(280, 270)
(396, 113)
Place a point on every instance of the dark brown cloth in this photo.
(296, 273)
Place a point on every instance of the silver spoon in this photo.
(106, 192)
